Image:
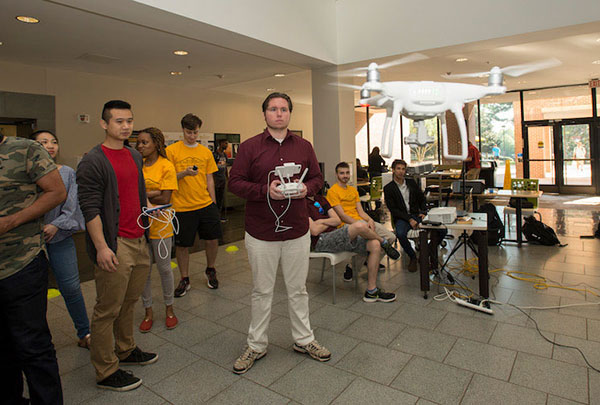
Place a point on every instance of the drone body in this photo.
(422, 100)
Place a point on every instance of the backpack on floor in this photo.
(539, 232)
(495, 229)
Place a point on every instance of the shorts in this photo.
(339, 241)
(206, 222)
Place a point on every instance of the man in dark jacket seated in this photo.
(406, 203)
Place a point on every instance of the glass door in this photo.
(576, 157)
(540, 162)
(559, 154)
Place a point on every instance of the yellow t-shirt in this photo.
(160, 176)
(346, 197)
(193, 191)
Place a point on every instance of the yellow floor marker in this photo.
(53, 293)
(231, 249)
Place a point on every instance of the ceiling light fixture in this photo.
(270, 89)
(596, 62)
(26, 19)
(1, 43)
(462, 59)
(279, 75)
(173, 73)
(181, 53)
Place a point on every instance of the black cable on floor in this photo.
(553, 342)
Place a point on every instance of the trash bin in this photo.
(488, 167)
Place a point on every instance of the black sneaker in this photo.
(182, 288)
(348, 273)
(390, 250)
(138, 357)
(120, 380)
(211, 277)
(380, 296)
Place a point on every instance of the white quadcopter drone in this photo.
(422, 100)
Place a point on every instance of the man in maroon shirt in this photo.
(473, 163)
(276, 228)
(112, 195)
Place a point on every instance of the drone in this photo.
(422, 100)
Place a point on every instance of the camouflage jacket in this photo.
(22, 163)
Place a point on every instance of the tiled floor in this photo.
(409, 351)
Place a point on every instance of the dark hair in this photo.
(271, 96)
(220, 141)
(113, 105)
(191, 122)
(158, 138)
(375, 151)
(399, 162)
(342, 165)
(41, 131)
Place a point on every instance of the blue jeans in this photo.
(402, 227)
(25, 340)
(63, 261)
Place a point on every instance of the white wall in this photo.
(378, 28)
(305, 26)
(153, 105)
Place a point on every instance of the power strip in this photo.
(476, 305)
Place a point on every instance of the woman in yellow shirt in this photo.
(161, 180)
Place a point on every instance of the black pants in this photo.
(25, 340)
(220, 194)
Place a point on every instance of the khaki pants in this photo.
(385, 233)
(117, 293)
(265, 258)
(472, 174)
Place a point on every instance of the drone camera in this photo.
(364, 93)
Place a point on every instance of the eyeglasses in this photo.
(318, 205)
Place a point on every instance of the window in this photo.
(557, 103)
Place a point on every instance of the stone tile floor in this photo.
(409, 351)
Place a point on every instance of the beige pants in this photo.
(385, 233)
(472, 174)
(117, 293)
(265, 257)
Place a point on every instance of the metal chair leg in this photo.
(333, 283)
(323, 269)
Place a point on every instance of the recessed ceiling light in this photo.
(596, 62)
(270, 89)
(173, 73)
(462, 59)
(521, 82)
(532, 92)
(1, 43)
(180, 53)
(279, 75)
(26, 19)
(598, 40)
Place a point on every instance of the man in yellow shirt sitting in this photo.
(345, 201)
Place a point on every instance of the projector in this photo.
(445, 215)
(471, 186)
(419, 169)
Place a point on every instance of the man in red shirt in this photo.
(112, 195)
(473, 162)
(276, 228)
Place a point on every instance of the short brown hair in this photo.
(399, 162)
(271, 96)
(342, 165)
(158, 138)
(191, 122)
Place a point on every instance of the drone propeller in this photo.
(349, 86)
(514, 71)
(413, 57)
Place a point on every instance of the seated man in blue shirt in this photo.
(406, 203)
(356, 237)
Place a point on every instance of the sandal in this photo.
(85, 341)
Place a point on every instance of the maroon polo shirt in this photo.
(249, 180)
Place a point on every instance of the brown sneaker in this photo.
(247, 359)
(314, 350)
(412, 266)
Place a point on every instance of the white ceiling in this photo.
(137, 52)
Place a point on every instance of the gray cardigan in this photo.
(67, 216)
(99, 194)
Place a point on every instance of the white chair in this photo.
(335, 258)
